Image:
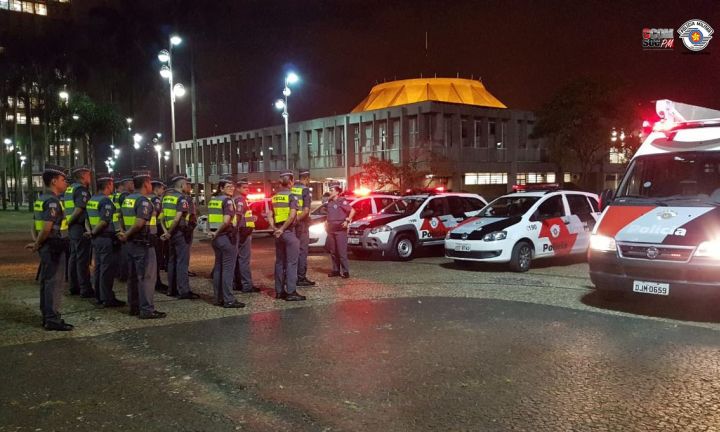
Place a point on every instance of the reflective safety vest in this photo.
(281, 206)
(169, 207)
(215, 211)
(297, 190)
(117, 198)
(128, 210)
(69, 202)
(93, 212)
(152, 223)
(247, 216)
(38, 215)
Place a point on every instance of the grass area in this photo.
(15, 221)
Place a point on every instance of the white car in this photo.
(363, 205)
(522, 226)
(412, 222)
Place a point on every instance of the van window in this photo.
(362, 208)
(472, 204)
(381, 203)
(457, 206)
(438, 206)
(579, 205)
(594, 204)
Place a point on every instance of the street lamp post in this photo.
(165, 56)
(23, 158)
(158, 150)
(282, 104)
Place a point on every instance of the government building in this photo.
(482, 145)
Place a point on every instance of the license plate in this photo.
(353, 240)
(462, 247)
(656, 288)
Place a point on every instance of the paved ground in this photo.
(422, 345)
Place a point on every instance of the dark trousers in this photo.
(79, 263)
(302, 232)
(337, 246)
(286, 259)
(178, 263)
(123, 265)
(105, 266)
(52, 273)
(141, 277)
(223, 272)
(243, 274)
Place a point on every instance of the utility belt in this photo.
(110, 235)
(335, 226)
(142, 242)
(57, 245)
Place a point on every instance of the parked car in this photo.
(523, 226)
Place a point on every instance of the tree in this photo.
(417, 171)
(578, 121)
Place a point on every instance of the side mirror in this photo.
(427, 213)
(606, 198)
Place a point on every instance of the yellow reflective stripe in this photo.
(129, 219)
(248, 219)
(64, 222)
(215, 213)
(298, 190)
(281, 207)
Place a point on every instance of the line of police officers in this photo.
(132, 223)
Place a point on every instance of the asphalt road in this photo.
(414, 346)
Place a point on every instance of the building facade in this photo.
(487, 147)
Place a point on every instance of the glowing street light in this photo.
(136, 141)
(64, 95)
(175, 40)
(282, 104)
(158, 148)
(176, 90)
(179, 90)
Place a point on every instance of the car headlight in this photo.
(317, 229)
(602, 243)
(709, 249)
(381, 228)
(495, 236)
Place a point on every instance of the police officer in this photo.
(245, 227)
(192, 218)
(49, 229)
(301, 189)
(339, 214)
(125, 188)
(221, 216)
(137, 211)
(100, 211)
(75, 200)
(157, 229)
(175, 207)
(284, 209)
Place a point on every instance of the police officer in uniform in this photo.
(339, 214)
(175, 207)
(284, 209)
(221, 216)
(158, 230)
(192, 218)
(245, 227)
(125, 188)
(75, 200)
(100, 211)
(49, 229)
(137, 212)
(301, 189)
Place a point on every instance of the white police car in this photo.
(411, 222)
(522, 226)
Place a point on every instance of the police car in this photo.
(659, 233)
(412, 222)
(522, 226)
(363, 201)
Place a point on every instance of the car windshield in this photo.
(677, 177)
(509, 206)
(408, 205)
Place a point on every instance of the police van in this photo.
(412, 222)
(659, 233)
(538, 221)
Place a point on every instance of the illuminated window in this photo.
(21, 118)
(567, 177)
(15, 5)
(28, 7)
(10, 101)
(4, 4)
(40, 9)
(485, 178)
(9, 117)
(617, 156)
(529, 178)
(21, 104)
(36, 121)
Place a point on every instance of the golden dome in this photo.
(450, 90)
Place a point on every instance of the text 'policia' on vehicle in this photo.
(660, 232)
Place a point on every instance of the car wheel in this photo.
(404, 248)
(521, 257)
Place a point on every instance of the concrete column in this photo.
(234, 147)
(206, 157)
(302, 149)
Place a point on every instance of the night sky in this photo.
(523, 50)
